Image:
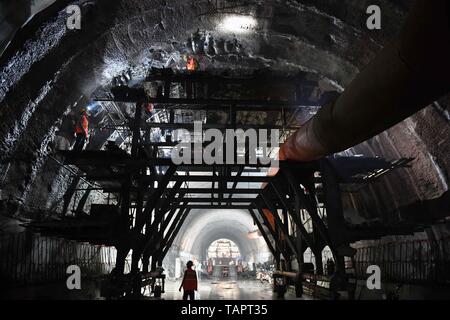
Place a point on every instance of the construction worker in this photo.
(192, 64)
(81, 130)
(189, 283)
(148, 113)
(149, 109)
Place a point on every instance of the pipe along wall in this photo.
(405, 77)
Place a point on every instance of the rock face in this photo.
(49, 71)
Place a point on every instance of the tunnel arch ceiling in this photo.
(49, 72)
(203, 227)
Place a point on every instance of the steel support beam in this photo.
(133, 95)
(283, 228)
(152, 230)
(250, 179)
(160, 212)
(152, 244)
(311, 207)
(68, 195)
(164, 203)
(170, 240)
(278, 246)
(124, 242)
(192, 200)
(192, 126)
(218, 207)
(306, 236)
(335, 216)
(207, 78)
(263, 232)
(223, 190)
(154, 198)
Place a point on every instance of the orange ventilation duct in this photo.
(406, 76)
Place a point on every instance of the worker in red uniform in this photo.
(189, 283)
(81, 130)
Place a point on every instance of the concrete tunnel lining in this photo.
(205, 226)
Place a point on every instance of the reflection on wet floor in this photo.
(208, 290)
(227, 290)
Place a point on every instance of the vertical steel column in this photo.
(296, 219)
(278, 246)
(263, 232)
(174, 234)
(335, 215)
(279, 223)
(124, 242)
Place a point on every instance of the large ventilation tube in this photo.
(406, 76)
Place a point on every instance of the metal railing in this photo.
(27, 258)
(411, 262)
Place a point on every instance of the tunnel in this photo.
(286, 148)
(206, 227)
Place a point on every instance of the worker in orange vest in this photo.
(192, 64)
(81, 130)
(189, 283)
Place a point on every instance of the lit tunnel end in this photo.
(205, 228)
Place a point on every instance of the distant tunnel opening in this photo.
(208, 234)
(223, 252)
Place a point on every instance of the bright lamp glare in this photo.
(238, 24)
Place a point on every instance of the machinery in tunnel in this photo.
(223, 252)
(278, 145)
(204, 235)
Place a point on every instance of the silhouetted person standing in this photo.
(189, 283)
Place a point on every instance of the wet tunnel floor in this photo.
(208, 290)
(228, 290)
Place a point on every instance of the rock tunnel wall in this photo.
(52, 71)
